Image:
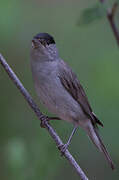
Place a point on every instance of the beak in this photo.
(35, 43)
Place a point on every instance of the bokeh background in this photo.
(27, 152)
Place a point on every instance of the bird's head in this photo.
(43, 45)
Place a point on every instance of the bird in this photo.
(59, 89)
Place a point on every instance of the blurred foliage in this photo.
(90, 15)
(27, 152)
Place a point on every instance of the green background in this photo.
(27, 152)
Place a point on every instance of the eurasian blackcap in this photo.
(61, 92)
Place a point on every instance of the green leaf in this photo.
(89, 15)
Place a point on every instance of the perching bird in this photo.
(61, 92)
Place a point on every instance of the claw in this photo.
(44, 120)
(62, 148)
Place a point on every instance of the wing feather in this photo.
(71, 83)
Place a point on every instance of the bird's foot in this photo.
(44, 121)
(63, 148)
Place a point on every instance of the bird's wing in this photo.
(71, 83)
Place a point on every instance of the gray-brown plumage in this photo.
(60, 90)
(72, 84)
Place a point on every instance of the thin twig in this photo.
(38, 113)
(110, 16)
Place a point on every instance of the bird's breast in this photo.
(54, 96)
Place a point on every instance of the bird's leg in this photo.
(65, 146)
(46, 118)
(54, 118)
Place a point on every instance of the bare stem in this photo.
(110, 17)
(38, 113)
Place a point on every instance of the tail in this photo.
(93, 134)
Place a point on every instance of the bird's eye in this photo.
(48, 42)
(43, 42)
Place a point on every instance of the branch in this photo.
(40, 116)
(110, 17)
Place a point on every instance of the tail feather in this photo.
(93, 134)
(97, 120)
